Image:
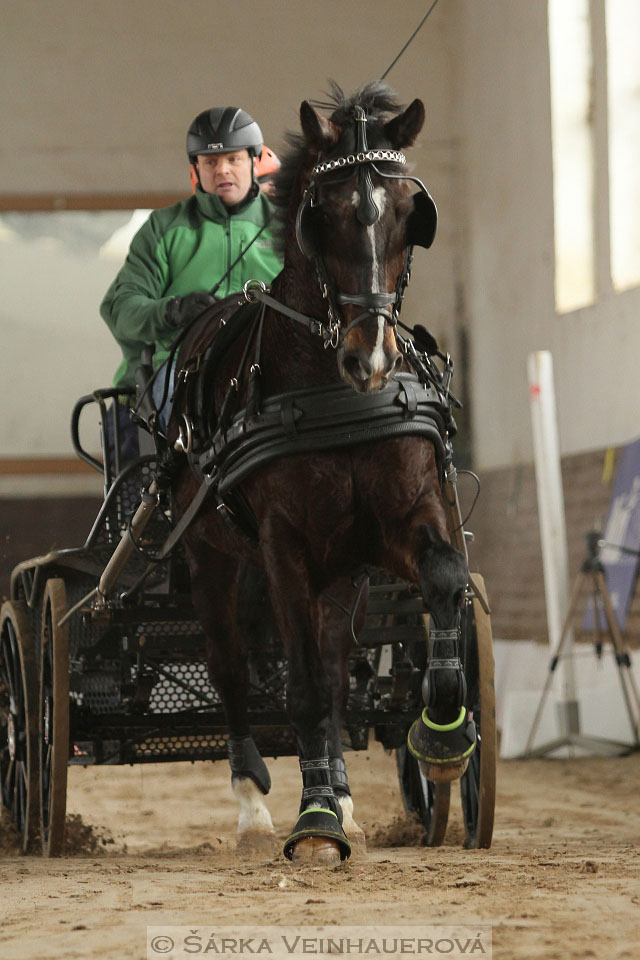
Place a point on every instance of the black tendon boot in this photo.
(320, 813)
(443, 748)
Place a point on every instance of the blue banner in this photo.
(623, 530)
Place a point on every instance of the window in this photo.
(55, 268)
(572, 142)
(623, 82)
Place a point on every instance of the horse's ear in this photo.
(319, 132)
(403, 129)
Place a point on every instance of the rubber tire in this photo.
(478, 784)
(19, 793)
(53, 719)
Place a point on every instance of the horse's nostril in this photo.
(356, 366)
(366, 367)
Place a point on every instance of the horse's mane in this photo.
(377, 99)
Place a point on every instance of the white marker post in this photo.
(553, 532)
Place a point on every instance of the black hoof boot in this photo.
(443, 750)
(322, 825)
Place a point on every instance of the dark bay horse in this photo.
(348, 219)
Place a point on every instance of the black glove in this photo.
(180, 311)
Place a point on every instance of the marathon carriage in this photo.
(102, 658)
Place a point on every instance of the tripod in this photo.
(591, 572)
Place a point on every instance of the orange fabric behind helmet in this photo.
(193, 178)
(267, 165)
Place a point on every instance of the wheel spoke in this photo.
(8, 660)
(13, 796)
(7, 785)
(22, 794)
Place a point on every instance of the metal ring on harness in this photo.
(184, 443)
(246, 289)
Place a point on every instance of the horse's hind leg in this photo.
(213, 589)
(443, 738)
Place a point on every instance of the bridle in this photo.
(384, 305)
(421, 229)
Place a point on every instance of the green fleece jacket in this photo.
(182, 249)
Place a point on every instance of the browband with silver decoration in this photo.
(354, 158)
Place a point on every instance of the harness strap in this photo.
(256, 292)
(185, 519)
(371, 300)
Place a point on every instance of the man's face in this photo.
(228, 175)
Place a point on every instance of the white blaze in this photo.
(377, 355)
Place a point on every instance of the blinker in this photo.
(422, 221)
(305, 227)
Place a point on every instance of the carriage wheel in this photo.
(18, 721)
(478, 784)
(54, 719)
(430, 801)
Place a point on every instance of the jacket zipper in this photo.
(228, 283)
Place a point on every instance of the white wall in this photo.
(99, 93)
(55, 347)
(509, 265)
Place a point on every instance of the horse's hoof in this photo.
(316, 850)
(254, 844)
(443, 772)
(321, 827)
(442, 750)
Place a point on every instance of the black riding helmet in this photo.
(223, 130)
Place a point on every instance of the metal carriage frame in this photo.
(126, 683)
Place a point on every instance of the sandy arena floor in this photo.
(155, 845)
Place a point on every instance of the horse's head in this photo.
(357, 223)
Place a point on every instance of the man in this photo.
(210, 243)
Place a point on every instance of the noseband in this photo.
(385, 305)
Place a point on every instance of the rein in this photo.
(333, 335)
(256, 290)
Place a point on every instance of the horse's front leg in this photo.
(213, 588)
(443, 737)
(318, 833)
(337, 644)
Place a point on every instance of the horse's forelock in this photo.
(377, 99)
